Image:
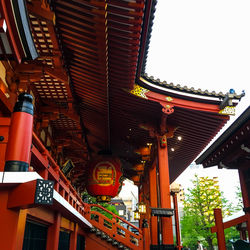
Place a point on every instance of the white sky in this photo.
(203, 44)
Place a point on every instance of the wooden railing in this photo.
(46, 167)
(117, 228)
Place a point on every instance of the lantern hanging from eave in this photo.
(139, 168)
(104, 178)
(136, 179)
(144, 152)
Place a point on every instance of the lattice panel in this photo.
(64, 123)
(51, 88)
(41, 36)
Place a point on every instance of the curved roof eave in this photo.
(162, 86)
(184, 91)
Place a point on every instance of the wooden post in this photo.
(153, 203)
(12, 225)
(220, 229)
(18, 151)
(146, 235)
(177, 226)
(53, 233)
(4, 135)
(146, 217)
(165, 197)
(245, 198)
(73, 238)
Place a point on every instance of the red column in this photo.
(167, 229)
(245, 198)
(73, 238)
(220, 229)
(18, 152)
(177, 226)
(146, 235)
(4, 134)
(146, 217)
(153, 203)
(12, 224)
(53, 233)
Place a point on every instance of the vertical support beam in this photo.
(146, 217)
(153, 203)
(21, 228)
(53, 233)
(177, 226)
(220, 229)
(4, 135)
(12, 224)
(73, 238)
(167, 229)
(18, 151)
(245, 197)
(146, 235)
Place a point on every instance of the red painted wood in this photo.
(220, 229)
(177, 225)
(23, 196)
(20, 137)
(53, 233)
(165, 197)
(12, 224)
(153, 203)
(177, 102)
(7, 11)
(73, 238)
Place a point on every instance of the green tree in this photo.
(92, 200)
(198, 218)
(239, 205)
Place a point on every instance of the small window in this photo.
(35, 236)
(64, 239)
(80, 242)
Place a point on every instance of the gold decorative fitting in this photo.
(169, 99)
(168, 109)
(139, 91)
(228, 110)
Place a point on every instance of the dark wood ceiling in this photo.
(89, 54)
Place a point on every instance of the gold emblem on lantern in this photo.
(104, 174)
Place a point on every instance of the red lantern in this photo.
(104, 178)
(139, 168)
(144, 152)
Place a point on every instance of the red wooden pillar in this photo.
(177, 226)
(73, 238)
(145, 217)
(245, 198)
(18, 151)
(12, 224)
(165, 197)
(53, 233)
(220, 229)
(153, 203)
(4, 134)
(146, 234)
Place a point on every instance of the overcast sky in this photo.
(203, 44)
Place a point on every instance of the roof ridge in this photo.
(186, 89)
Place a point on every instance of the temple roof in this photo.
(91, 54)
(232, 148)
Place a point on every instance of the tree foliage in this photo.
(92, 200)
(200, 201)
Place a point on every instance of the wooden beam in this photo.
(231, 223)
(36, 9)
